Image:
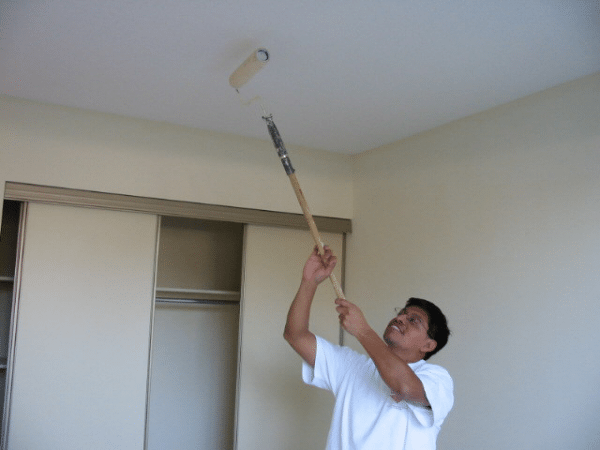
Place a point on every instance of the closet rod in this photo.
(197, 294)
(196, 301)
(197, 291)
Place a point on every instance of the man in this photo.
(390, 399)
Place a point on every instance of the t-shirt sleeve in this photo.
(439, 390)
(330, 365)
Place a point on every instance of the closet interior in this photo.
(195, 334)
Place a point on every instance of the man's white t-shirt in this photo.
(365, 416)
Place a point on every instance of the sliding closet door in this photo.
(83, 331)
(276, 410)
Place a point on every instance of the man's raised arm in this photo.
(297, 333)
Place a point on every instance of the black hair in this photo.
(438, 325)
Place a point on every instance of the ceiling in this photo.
(344, 75)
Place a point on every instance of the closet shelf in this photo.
(7, 279)
(197, 294)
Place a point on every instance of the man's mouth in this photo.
(397, 328)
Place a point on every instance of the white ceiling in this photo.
(344, 76)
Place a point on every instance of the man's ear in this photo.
(429, 346)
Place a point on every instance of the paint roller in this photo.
(250, 67)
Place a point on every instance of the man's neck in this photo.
(407, 356)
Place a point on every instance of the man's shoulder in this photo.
(423, 367)
(339, 351)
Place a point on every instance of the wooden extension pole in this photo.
(289, 170)
(313, 230)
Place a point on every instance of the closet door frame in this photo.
(25, 192)
(93, 199)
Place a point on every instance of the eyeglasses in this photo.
(411, 318)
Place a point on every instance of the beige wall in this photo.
(496, 218)
(67, 147)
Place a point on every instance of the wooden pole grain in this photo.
(313, 230)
